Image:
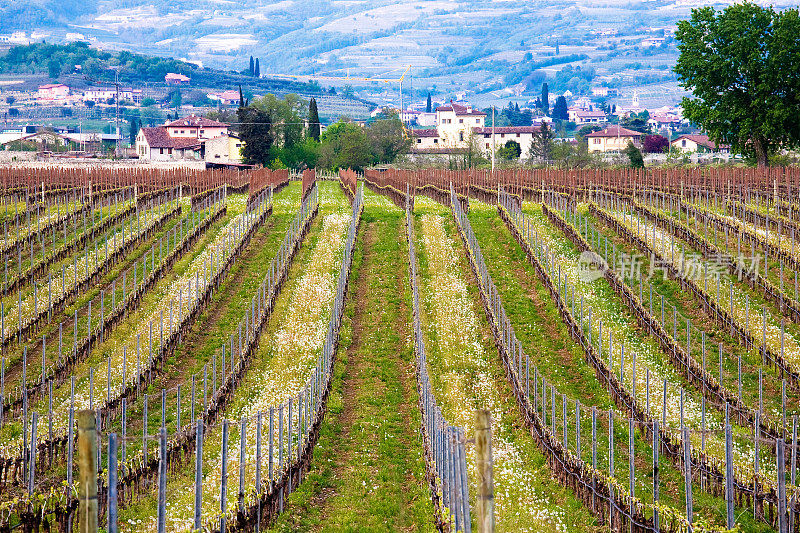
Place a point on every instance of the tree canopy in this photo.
(542, 143)
(743, 66)
(560, 109)
(255, 130)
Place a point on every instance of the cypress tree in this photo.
(545, 98)
(313, 120)
(258, 69)
(241, 97)
(428, 108)
(252, 68)
(134, 131)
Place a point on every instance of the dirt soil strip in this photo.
(368, 471)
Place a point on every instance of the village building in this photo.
(176, 79)
(604, 92)
(103, 94)
(454, 124)
(699, 144)
(53, 91)
(180, 139)
(229, 97)
(225, 149)
(425, 140)
(495, 138)
(612, 139)
(586, 116)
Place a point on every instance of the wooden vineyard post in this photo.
(483, 452)
(87, 471)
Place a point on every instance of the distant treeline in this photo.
(59, 61)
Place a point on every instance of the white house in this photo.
(176, 79)
(700, 144)
(223, 149)
(612, 139)
(659, 121)
(229, 97)
(523, 135)
(180, 139)
(426, 120)
(156, 145)
(425, 140)
(101, 94)
(455, 123)
(652, 42)
(586, 116)
(196, 127)
(53, 91)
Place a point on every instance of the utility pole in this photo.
(493, 141)
(116, 101)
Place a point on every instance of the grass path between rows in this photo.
(466, 374)
(368, 469)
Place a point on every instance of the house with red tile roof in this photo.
(176, 79)
(700, 144)
(184, 138)
(612, 139)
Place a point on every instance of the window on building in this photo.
(477, 121)
(460, 135)
(461, 121)
(169, 151)
(517, 135)
(683, 143)
(419, 141)
(596, 141)
(161, 151)
(436, 141)
(183, 131)
(487, 145)
(502, 135)
(202, 132)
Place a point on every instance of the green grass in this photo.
(686, 306)
(368, 471)
(466, 373)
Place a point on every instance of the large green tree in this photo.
(542, 143)
(288, 117)
(742, 65)
(255, 130)
(345, 145)
(387, 139)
